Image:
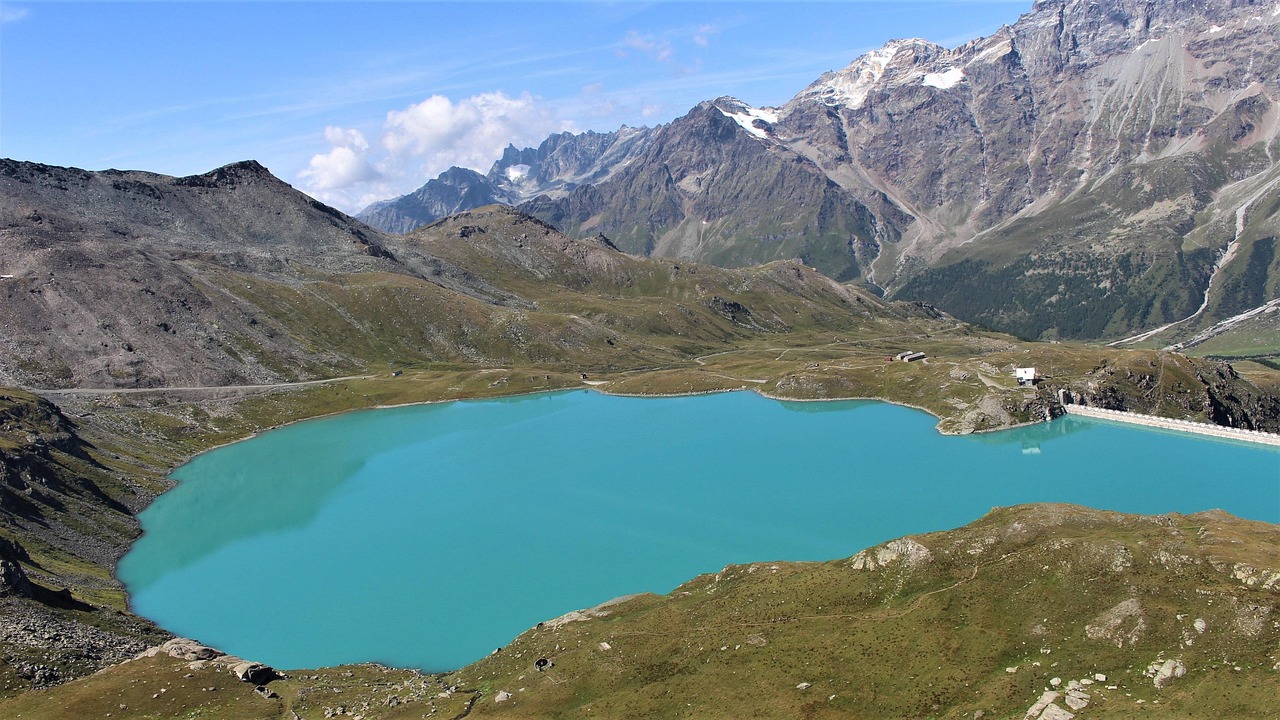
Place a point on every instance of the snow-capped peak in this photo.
(746, 116)
(851, 86)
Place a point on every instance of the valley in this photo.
(1088, 196)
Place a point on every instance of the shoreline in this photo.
(1155, 421)
(572, 388)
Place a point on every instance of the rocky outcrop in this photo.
(202, 655)
(1173, 385)
(1122, 625)
(1162, 674)
(37, 488)
(904, 552)
(13, 579)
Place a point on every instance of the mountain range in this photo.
(1109, 165)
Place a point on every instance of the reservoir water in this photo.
(426, 536)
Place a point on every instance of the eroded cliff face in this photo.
(1062, 176)
(1094, 162)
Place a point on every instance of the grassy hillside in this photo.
(979, 621)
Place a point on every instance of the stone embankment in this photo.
(1191, 426)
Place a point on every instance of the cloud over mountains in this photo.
(422, 140)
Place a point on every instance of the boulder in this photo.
(13, 580)
(1077, 699)
(1166, 672)
(1038, 707)
(1122, 625)
(184, 649)
(252, 672)
(1053, 712)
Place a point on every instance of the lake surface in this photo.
(426, 536)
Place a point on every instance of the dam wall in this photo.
(1256, 436)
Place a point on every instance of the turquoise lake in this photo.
(426, 536)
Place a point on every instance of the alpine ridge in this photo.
(1109, 165)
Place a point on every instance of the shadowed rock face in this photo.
(13, 580)
(1090, 161)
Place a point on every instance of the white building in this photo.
(1025, 376)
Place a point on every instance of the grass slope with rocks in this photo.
(1030, 611)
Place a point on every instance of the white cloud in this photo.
(349, 138)
(702, 37)
(422, 140)
(9, 14)
(438, 133)
(346, 164)
(662, 49)
(658, 48)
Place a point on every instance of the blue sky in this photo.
(353, 102)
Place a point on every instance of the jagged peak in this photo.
(756, 121)
(456, 172)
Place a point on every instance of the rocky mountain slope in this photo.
(1109, 166)
(65, 516)
(129, 279)
(125, 279)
